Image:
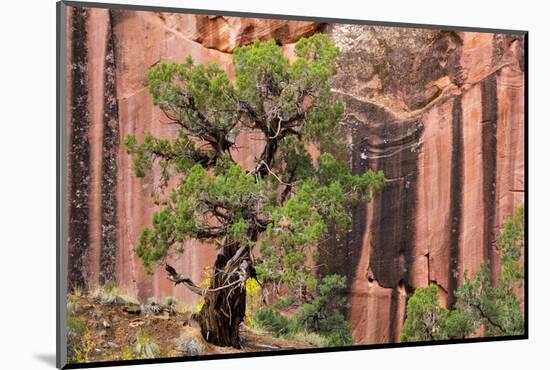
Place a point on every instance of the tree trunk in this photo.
(224, 309)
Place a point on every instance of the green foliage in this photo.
(283, 302)
(229, 194)
(285, 203)
(194, 94)
(510, 246)
(326, 196)
(290, 103)
(270, 84)
(181, 152)
(479, 302)
(274, 322)
(322, 316)
(497, 306)
(425, 318)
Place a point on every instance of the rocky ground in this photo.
(120, 328)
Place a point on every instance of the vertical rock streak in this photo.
(394, 317)
(393, 148)
(457, 179)
(394, 209)
(109, 165)
(489, 117)
(340, 252)
(79, 153)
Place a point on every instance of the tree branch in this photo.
(241, 272)
(200, 126)
(275, 175)
(486, 317)
(288, 187)
(209, 233)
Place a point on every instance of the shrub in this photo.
(111, 294)
(79, 340)
(322, 317)
(283, 302)
(480, 301)
(425, 318)
(253, 300)
(152, 307)
(273, 322)
(146, 347)
(170, 305)
(324, 314)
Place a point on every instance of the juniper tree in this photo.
(281, 205)
(480, 302)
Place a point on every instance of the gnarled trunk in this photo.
(225, 300)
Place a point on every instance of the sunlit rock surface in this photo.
(441, 113)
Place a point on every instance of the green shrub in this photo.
(322, 316)
(425, 318)
(283, 303)
(273, 322)
(480, 301)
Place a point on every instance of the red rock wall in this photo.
(440, 112)
(138, 41)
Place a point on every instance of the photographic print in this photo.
(240, 184)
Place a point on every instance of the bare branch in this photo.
(278, 130)
(274, 174)
(187, 282)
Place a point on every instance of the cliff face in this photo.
(108, 59)
(441, 113)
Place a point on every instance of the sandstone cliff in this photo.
(441, 113)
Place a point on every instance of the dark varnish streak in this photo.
(394, 319)
(394, 213)
(109, 164)
(457, 180)
(393, 146)
(395, 152)
(340, 252)
(489, 116)
(79, 153)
